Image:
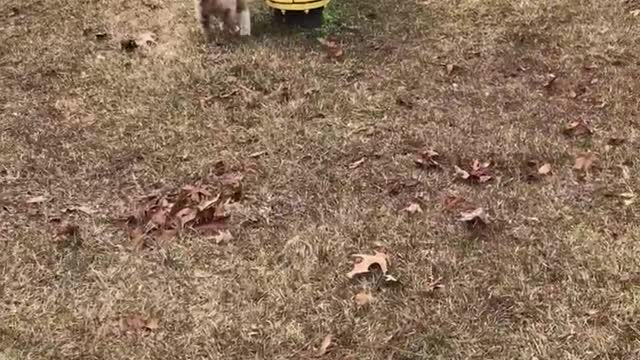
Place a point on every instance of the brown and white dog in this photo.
(232, 16)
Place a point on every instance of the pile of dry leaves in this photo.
(201, 208)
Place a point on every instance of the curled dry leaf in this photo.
(544, 169)
(146, 39)
(357, 163)
(464, 175)
(196, 193)
(205, 204)
(584, 162)
(362, 266)
(67, 229)
(413, 208)
(363, 298)
(138, 324)
(577, 128)
(223, 236)
(324, 346)
(36, 200)
(452, 201)
(83, 209)
(136, 238)
(186, 216)
(333, 49)
(428, 159)
(476, 216)
(479, 172)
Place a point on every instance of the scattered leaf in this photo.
(159, 218)
(577, 128)
(584, 162)
(363, 298)
(257, 154)
(450, 68)
(479, 172)
(186, 216)
(551, 78)
(36, 199)
(137, 324)
(476, 216)
(616, 141)
(413, 208)
(136, 237)
(146, 39)
(544, 169)
(461, 173)
(206, 204)
(223, 237)
(428, 159)
(452, 201)
(83, 209)
(333, 49)
(152, 324)
(68, 229)
(324, 346)
(196, 193)
(362, 266)
(357, 163)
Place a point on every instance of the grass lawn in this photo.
(533, 108)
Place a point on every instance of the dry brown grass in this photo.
(556, 275)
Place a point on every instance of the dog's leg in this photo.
(244, 17)
(204, 18)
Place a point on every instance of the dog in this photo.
(233, 16)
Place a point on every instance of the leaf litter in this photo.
(366, 261)
(161, 216)
(478, 173)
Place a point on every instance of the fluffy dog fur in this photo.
(232, 15)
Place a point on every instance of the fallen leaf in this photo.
(257, 154)
(213, 226)
(36, 200)
(196, 193)
(363, 298)
(84, 209)
(357, 163)
(136, 238)
(366, 261)
(577, 128)
(452, 201)
(479, 172)
(428, 159)
(324, 346)
(223, 236)
(152, 324)
(551, 78)
(159, 218)
(333, 49)
(461, 173)
(616, 141)
(146, 39)
(205, 204)
(413, 208)
(584, 162)
(67, 229)
(137, 323)
(166, 235)
(476, 216)
(231, 179)
(544, 169)
(185, 216)
(635, 13)
(450, 68)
